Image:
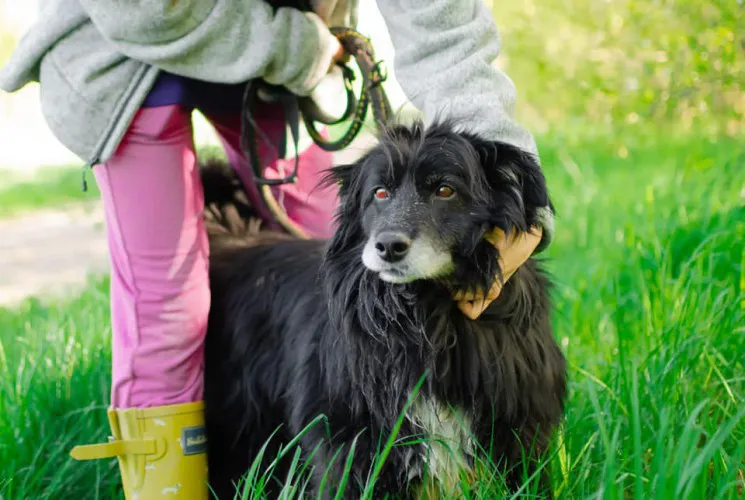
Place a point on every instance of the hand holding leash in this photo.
(514, 250)
(340, 56)
(358, 47)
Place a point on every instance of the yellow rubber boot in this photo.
(161, 451)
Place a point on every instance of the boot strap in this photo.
(114, 449)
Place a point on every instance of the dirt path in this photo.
(53, 252)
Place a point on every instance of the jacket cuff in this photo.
(328, 45)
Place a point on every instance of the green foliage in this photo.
(649, 262)
(54, 385)
(49, 187)
(650, 265)
(627, 62)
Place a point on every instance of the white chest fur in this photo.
(448, 436)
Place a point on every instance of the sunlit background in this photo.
(638, 107)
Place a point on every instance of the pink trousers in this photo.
(153, 201)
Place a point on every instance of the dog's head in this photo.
(417, 206)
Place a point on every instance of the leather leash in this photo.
(372, 95)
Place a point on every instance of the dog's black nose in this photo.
(392, 247)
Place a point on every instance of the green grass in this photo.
(48, 187)
(648, 258)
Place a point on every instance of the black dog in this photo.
(347, 328)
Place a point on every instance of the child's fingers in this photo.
(473, 308)
(514, 250)
(469, 296)
(468, 308)
(494, 292)
(496, 237)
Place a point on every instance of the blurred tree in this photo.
(675, 62)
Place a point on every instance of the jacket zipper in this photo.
(84, 183)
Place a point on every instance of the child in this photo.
(118, 83)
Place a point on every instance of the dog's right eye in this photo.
(381, 194)
(445, 192)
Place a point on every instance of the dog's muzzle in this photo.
(392, 247)
(398, 258)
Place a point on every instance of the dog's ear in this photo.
(534, 188)
(347, 178)
(344, 176)
(516, 178)
(341, 175)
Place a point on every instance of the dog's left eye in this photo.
(445, 191)
(381, 194)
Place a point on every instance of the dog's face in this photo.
(417, 206)
(423, 201)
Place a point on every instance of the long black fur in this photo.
(299, 329)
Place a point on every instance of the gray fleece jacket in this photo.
(96, 60)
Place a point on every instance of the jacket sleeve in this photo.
(444, 61)
(223, 41)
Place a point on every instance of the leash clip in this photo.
(378, 74)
